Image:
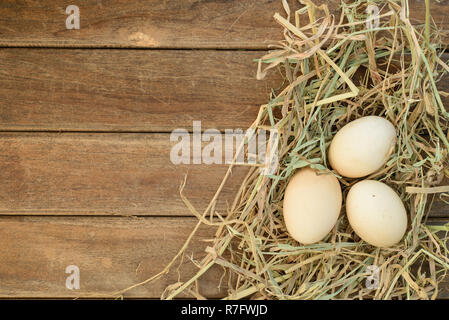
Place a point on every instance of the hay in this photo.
(336, 70)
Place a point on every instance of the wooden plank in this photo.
(132, 90)
(161, 24)
(84, 174)
(129, 90)
(438, 207)
(111, 253)
(104, 174)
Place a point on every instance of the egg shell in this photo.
(376, 213)
(362, 146)
(312, 204)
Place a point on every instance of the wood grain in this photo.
(132, 90)
(161, 24)
(108, 174)
(76, 182)
(439, 208)
(82, 174)
(129, 90)
(111, 253)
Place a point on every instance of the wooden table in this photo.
(85, 122)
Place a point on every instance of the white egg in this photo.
(376, 213)
(312, 204)
(362, 146)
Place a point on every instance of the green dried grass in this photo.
(391, 71)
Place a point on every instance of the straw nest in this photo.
(337, 69)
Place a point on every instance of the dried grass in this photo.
(336, 70)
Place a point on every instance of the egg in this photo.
(376, 213)
(362, 146)
(312, 204)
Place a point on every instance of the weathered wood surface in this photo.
(132, 90)
(111, 253)
(83, 174)
(108, 173)
(161, 24)
(67, 178)
(129, 90)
